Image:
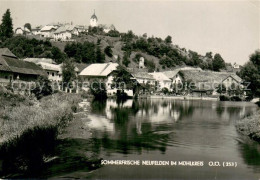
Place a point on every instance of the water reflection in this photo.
(133, 126)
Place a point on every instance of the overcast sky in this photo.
(231, 28)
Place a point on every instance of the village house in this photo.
(36, 30)
(22, 31)
(13, 70)
(65, 32)
(102, 72)
(48, 31)
(174, 76)
(162, 81)
(207, 82)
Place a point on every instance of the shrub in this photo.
(235, 98)
(224, 98)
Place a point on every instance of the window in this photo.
(48, 73)
(52, 74)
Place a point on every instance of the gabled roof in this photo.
(37, 60)
(48, 28)
(10, 63)
(65, 28)
(159, 76)
(51, 67)
(207, 76)
(6, 52)
(143, 75)
(99, 69)
(171, 74)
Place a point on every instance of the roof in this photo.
(51, 67)
(99, 69)
(9, 62)
(159, 76)
(94, 16)
(37, 60)
(6, 52)
(143, 75)
(64, 29)
(81, 66)
(171, 74)
(207, 76)
(48, 28)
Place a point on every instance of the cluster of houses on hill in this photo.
(62, 31)
(205, 83)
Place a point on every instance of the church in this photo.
(94, 20)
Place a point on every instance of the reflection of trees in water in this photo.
(185, 109)
(250, 151)
(234, 111)
(98, 106)
(132, 134)
(220, 110)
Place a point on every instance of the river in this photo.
(163, 130)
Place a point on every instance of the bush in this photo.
(224, 98)
(43, 87)
(235, 98)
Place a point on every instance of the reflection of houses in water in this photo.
(112, 104)
(100, 123)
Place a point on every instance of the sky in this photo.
(231, 28)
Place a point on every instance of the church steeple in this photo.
(94, 20)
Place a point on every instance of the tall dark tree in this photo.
(108, 51)
(6, 28)
(28, 26)
(250, 73)
(168, 40)
(68, 71)
(218, 62)
(126, 61)
(100, 57)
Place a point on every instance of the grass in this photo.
(29, 129)
(250, 126)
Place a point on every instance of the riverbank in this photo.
(29, 130)
(250, 126)
(184, 97)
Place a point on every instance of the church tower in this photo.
(94, 20)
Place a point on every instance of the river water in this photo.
(164, 130)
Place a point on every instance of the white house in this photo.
(102, 72)
(93, 20)
(53, 70)
(162, 80)
(174, 75)
(36, 30)
(22, 31)
(144, 78)
(48, 31)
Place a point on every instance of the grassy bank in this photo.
(250, 126)
(29, 129)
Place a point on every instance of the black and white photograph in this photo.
(114, 89)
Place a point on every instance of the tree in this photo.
(218, 62)
(98, 90)
(57, 55)
(100, 57)
(168, 40)
(221, 88)
(6, 28)
(250, 73)
(126, 61)
(28, 26)
(121, 75)
(108, 51)
(43, 87)
(209, 55)
(68, 72)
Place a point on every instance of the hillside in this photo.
(125, 48)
